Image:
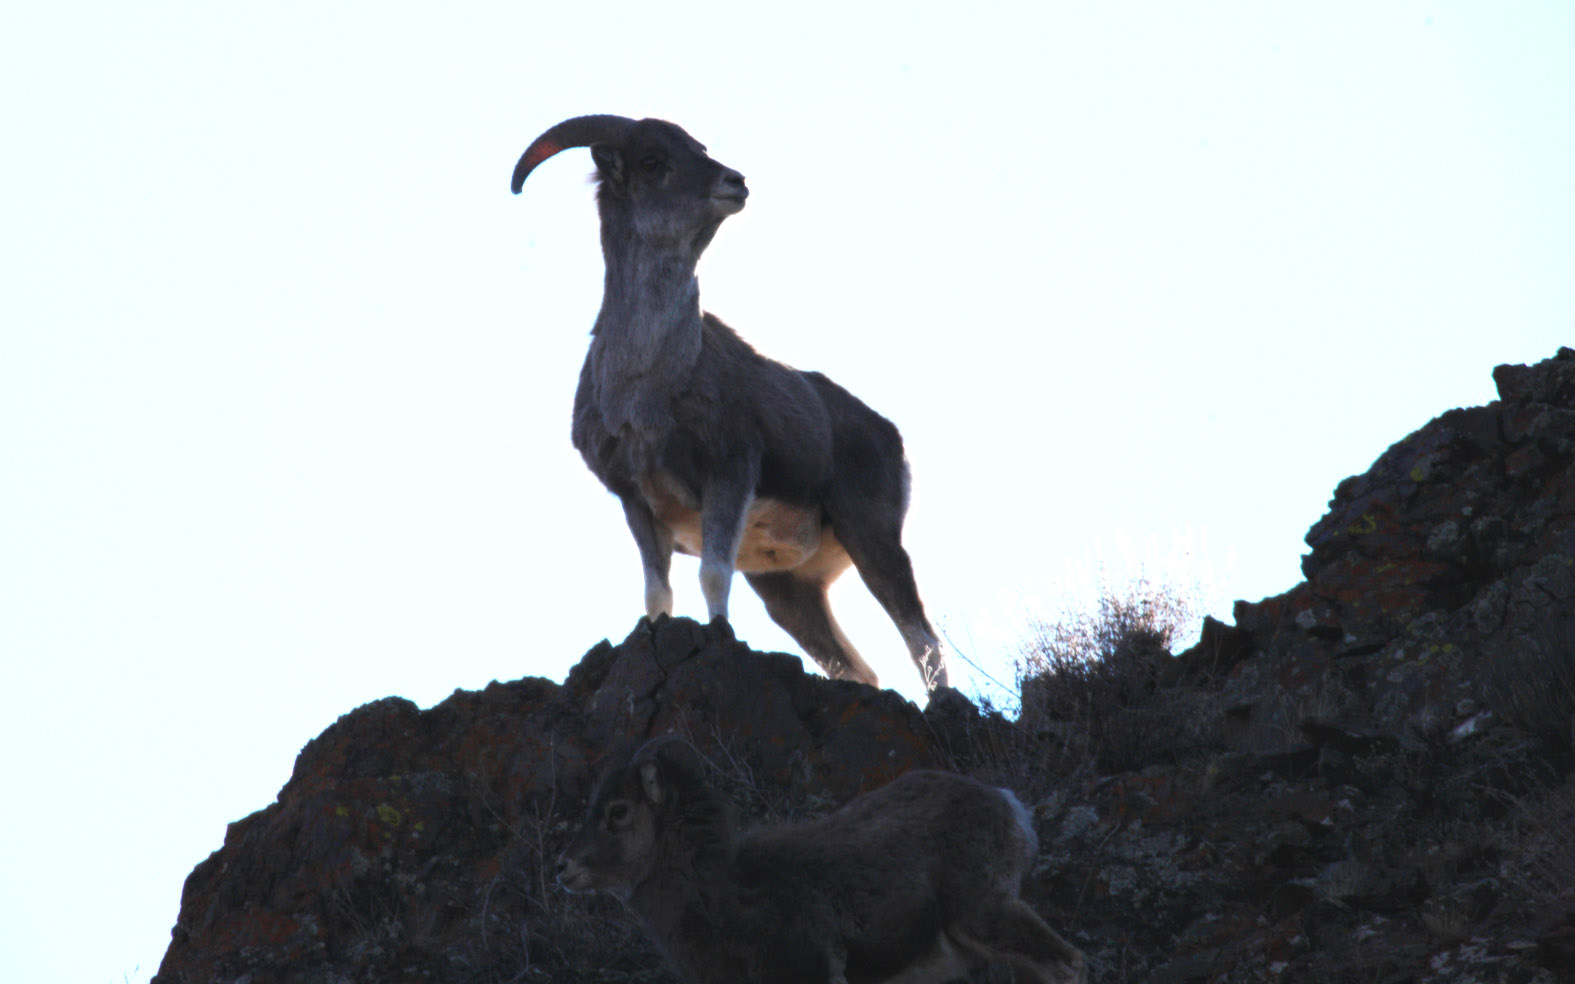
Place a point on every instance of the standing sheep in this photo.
(713, 449)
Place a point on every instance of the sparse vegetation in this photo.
(1546, 856)
(1533, 690)
(1139, 617)
(1098, 686)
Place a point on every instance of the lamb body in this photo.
(917, 881)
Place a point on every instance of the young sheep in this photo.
(713, 449)
(915, 882)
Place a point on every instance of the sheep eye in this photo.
(618, 812)
(651, 163)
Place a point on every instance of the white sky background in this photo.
(285, 372)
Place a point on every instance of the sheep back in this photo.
(733, 407)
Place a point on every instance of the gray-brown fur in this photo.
(712, 448)
(915, 882)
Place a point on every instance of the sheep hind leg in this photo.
(1011, 934)
(888, 573)
(800, 607)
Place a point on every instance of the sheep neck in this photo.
(647, 336)
(692, 916)
(691, 890)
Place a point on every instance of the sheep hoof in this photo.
(651, 623)
(723, 629)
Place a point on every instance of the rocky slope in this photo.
(1367, 778)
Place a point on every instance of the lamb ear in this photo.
(651, 782)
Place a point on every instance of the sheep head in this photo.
(615, 848)
(650, 171)
(653, 808)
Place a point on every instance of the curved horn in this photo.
(581, 131)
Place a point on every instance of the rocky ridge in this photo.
(1367, 778)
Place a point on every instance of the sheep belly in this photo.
(778, 536)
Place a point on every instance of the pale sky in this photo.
(285, 371)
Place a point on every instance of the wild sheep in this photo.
(915, 882)
(713, 449)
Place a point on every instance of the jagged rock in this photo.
(1445, 571)
(414, 844)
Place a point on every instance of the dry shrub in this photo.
(1547, 853)
(1531, 686)
(1094, 682)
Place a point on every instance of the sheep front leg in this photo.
(836, 966)
(723, 510)
(655, 542)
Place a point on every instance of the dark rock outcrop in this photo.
(1367, 778)
(1374, 793)
(417, 845)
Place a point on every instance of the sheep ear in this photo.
(609, 161)
(651, 781)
